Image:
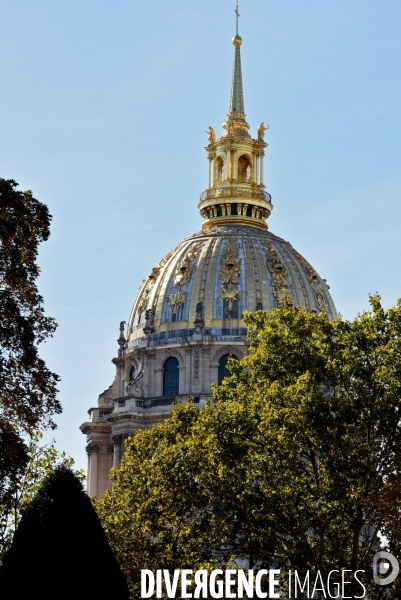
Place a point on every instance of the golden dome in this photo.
(212, 277)
(201, 289)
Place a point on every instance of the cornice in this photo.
(235, 220)
(91, 427)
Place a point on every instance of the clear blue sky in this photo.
(104, 107)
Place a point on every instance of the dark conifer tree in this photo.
(60, 549)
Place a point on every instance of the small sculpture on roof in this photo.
(211, 136)
(261, 131)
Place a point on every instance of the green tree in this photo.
(27, 388)
(296, 460)
(42, 459)
(59, 547)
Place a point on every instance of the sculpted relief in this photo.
(279, 274)
(230, 270)
(148, 285)
(182, 277)
(315, 284)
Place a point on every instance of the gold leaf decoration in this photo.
(315, 284)
(148, 285)
(183, 274)
(229, 293)
(279, 274)
(177, 298)
(184, 270)
(230, 271)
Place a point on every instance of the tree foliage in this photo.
(59, 547)
(42, 460)
(296, 460)
(27, 388)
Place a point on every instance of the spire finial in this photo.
(236, 123)
(237, 15)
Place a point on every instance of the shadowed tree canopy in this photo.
(60, 549)
(42, 459)
(27, 388)
(297, 459)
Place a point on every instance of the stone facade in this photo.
(120, 412)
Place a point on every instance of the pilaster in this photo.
(92, 450)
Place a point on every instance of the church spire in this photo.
(237, 95)
(236, 194)
(236, 123)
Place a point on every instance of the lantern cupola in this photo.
(236, 191)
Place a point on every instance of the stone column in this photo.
(228, 164)
(257, 169)
(210, 171)
(110, 457)
(262, 172)
(235, 165)
(215, 171)
(118, 450)
(93, 457)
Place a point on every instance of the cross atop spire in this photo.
(237, 13)
(236, 123)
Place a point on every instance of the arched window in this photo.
(132, 373)
(244, 169)
(220, 169)
(171, 377)
(223, 371)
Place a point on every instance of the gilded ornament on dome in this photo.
(229, 293)
(230, 270)
(184, 270)
(315, 283)
(177, 298)
(217, 229)
(279, 274)
(183, 274)
(142, 304)
(318, 289)
(154, 274)
(148, 285)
